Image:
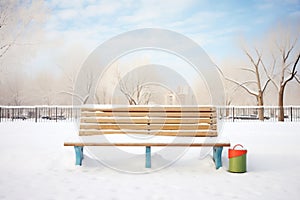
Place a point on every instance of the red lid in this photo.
(236, 152)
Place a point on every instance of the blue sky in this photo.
(217, 26)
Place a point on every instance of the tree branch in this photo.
(265, 86)
(270, 78)
(294, 72)
(243, 86)
(124, 90)
(20, 27)
(297, 79)
(6, 48)
(73, 94)
(246, 69)
(239, 84)
(251, 58)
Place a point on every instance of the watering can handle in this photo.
(238, 145)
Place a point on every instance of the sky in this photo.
(72, 30)
(216, 26)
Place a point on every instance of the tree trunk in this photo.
(280, 104)
(260, 102)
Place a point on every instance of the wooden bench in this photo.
(165, 121)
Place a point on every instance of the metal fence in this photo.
(38, 113)
(246, 113)
(69, 113)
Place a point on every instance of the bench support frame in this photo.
(78, 154)
(148, 157)
(217, 156)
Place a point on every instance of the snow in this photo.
(36, 165)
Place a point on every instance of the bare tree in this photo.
(280, 69)
(44, 88)
(17, 98)
(259, 85)
(287, 69)
(15, 91)
(102, 96)
(20, 25)
(70, 63)
(17, 17)
(68, 82)
(135, 91)
(5, 12)
(86, 93)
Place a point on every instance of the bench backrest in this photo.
(197, 121)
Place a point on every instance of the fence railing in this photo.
(250, 113)
(68, 113)
(39, 113)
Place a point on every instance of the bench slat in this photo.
(115, 120)
(144, 120)
(197, 133)
(154, 109)
(149, 127)
(149, 114)
(149, 144)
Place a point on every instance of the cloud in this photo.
(155, 12)
(214, 26)
(104, 19)
(67, 14)
(104, 8)
(295, 14)
(64, 4)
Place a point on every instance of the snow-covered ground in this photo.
(36, 165)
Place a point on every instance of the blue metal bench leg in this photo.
(79, 155)
(217, 156)
(148, 157)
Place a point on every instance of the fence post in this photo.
(56, 114)
(232, 114)
(291, 110)
(36, 114)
